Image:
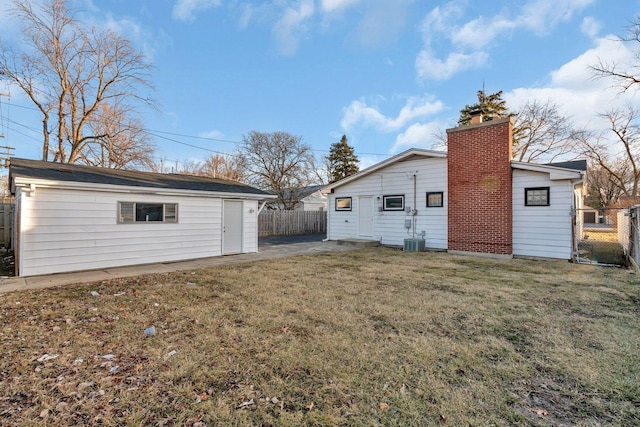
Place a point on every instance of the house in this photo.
(471, 199)
(312, 199)
(71, 217)
(309, 198)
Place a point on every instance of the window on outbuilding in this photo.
(537, 196)
(435, 199)
(130, 212)
(343, 203)
(393, 203)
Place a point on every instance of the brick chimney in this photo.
(479, 187)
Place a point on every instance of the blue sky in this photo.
(387, 73)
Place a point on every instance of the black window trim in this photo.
(384, 202)
(526, 199)
(431, 193)
(344, 209)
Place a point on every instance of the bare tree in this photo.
(225, 167)
(279, 162)
(602, 188)
(69, 72)
(122, 144)
(618, 155)
(626, 76)
(541, 133)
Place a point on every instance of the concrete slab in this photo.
(13, 284)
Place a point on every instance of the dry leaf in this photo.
(310, 406)
(540, 412)
(384, 406)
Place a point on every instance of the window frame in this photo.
(533, 189)
(344, 209)
(169, 213)
(385, 199)
(433, 193)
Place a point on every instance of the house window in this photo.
(393, 203)
(343, 203)
(435, 199)
(538, 196)
(130, 212)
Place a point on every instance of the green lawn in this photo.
(368, 337)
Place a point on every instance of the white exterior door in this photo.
(365, 216)
(232, 227)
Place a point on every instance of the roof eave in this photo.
(27, 182)
(383, 164)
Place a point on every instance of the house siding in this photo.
(389, 226)
(542, 231)
(67, 230)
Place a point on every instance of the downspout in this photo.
(415, 207)
(575, 255)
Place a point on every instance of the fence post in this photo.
(634, 244)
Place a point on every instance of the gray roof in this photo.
(580, 165)
(88, 174)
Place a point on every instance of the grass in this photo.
(363, 338)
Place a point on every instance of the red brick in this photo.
(480, 195)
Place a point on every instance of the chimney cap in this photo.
(476, 116)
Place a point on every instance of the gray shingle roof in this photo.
(87, 174)
(580, 165)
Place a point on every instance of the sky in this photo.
(388, 74)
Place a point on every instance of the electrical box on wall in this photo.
(407, 223)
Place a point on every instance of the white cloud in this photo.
(184, 10)
(590, 27)
(481, 32)
(359, 113)
(291, 26)
(575, 90)
(469, 41)
(418, 135)
(542, 15)
(430, 67)
(212, 134)
(334, 5)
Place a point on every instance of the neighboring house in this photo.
(310, 198)
(71, 217)
(471, 199)
(313, 199)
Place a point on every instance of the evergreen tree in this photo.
(492, 107)
(342, 161)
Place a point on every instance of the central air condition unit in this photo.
(413, 245)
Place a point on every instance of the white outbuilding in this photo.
(72, 217)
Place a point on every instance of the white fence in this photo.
(283, 223)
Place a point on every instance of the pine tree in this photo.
(342, 161)
(492, 107)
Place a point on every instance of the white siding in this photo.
(68, 230)
(389, 226)
(542, 231)
(314, 202)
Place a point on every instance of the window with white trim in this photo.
(393, 203)
(130, 212)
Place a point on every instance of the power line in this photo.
(155, 133)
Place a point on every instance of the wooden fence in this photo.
(283, 223)
(6, 224)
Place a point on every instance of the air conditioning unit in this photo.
(413, 245)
